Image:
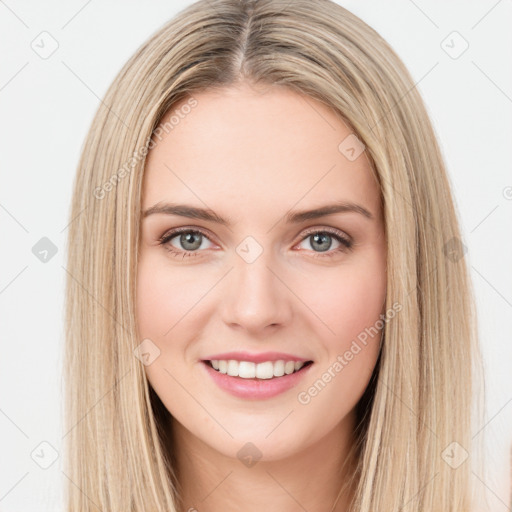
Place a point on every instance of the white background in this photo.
(47, 105)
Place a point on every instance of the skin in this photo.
(251, 155)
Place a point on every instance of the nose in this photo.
(255, 298)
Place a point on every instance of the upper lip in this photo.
(255, 358)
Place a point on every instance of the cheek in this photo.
(164, 296)
(170, 307)
(349, 302)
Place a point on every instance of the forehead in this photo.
(268, 146)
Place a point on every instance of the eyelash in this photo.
(346, 243)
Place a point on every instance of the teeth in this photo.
(289, 367)
(244, 368)
(249, 370)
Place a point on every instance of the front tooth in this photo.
(247, 370)
(289, 367)
(279, 368)
(265, 370)
(233, 368)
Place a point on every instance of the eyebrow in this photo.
(295, 217)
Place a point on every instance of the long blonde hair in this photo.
(419, 400)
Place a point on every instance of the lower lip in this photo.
(256, 388)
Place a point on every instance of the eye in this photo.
(321, 242)
(190, 241)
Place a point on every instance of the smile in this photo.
(247, 383)
(250, 370)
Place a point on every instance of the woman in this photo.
(268, 276)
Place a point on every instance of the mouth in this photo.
(256, 381)
(247, 370)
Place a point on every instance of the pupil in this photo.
(324, 238)
(188, 239)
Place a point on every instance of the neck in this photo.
(316, 479)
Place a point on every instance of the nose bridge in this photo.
(256, 298)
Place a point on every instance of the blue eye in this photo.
(322, 240)
(191, 241)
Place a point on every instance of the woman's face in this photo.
(266, 283)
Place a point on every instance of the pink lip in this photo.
(256, 389)
(255, 358)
